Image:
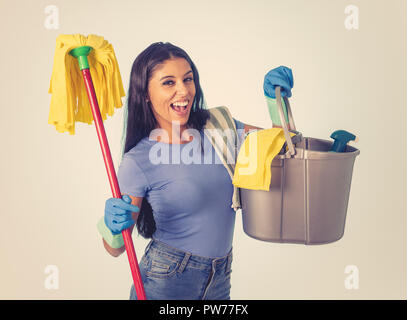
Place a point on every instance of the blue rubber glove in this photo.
(118, 214)
(281, 76)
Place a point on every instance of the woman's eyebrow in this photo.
(174, 77)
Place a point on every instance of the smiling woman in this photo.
(171, 92)
(184, 206)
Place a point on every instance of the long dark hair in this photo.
(141, 120)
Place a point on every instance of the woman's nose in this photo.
(181, 88)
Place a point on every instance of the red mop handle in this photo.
(114, 185)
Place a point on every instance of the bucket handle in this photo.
(291, 149)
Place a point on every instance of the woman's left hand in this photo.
(281, 76)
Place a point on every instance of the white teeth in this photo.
(180, 104)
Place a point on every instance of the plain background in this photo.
(54, 186)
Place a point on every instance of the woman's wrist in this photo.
(115, 241)
(115, 252)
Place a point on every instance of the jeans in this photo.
(172, 274)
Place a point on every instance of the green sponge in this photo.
(115, 241)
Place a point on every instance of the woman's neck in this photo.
(173, 135)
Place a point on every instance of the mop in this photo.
(93, 98)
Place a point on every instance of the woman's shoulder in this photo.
(223, 116)
(141, 148)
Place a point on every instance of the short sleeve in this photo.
(132, 180)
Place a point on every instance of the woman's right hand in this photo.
(118, 214)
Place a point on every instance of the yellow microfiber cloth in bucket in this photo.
(253, 165)
(69, 101)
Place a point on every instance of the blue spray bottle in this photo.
(341, 138)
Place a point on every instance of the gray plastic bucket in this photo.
(309, 193)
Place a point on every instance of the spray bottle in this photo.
(341, 137)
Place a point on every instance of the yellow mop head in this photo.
(69, 101)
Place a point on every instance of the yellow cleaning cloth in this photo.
(69, 100)
(253, 165)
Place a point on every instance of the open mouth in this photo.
(180, 106)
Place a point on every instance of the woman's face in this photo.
(171, 91)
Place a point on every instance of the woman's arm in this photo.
(117, 252)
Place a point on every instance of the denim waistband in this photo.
(187, 257)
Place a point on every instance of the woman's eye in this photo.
(169, 82)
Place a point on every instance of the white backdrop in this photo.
(53, 186)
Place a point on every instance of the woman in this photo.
(184, 207)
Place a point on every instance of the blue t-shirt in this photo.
(190, 193)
